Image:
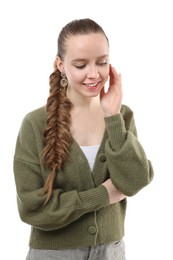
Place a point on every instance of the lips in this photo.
(91, 85)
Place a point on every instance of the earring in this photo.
(63, 81)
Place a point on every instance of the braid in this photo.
(57, 133)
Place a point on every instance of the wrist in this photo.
(108, 113)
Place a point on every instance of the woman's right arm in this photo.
(63, 207)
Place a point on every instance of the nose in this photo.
(92, 72)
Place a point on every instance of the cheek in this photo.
(75, 76)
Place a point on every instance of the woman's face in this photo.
(86, 64)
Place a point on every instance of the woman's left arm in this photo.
(127, 163)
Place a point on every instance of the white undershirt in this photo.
(90, 153)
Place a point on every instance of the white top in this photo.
(90, 153)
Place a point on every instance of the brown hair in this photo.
(57, 137)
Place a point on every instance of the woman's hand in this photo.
(114, 194)
(111, 100)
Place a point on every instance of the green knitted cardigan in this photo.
(78, 213)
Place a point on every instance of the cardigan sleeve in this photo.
(63, 207)
(127, 163)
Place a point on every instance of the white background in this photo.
(140, 35)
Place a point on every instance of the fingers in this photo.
(122, 197)
(114, 76)
(115, 79)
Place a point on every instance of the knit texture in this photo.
(78, 213)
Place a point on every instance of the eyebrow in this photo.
(101, 57)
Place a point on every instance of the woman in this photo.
(78, 158)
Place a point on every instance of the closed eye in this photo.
(102, 63)
(80, 66)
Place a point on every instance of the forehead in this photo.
(86, 46)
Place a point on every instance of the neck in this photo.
(82, 102)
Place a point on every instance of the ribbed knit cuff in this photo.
(115, 127)
(96, 198)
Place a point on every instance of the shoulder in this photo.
(35, 118)
(36, 114)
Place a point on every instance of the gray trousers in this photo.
(113, 251)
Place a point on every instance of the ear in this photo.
(59, 64)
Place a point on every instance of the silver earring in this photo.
(63, 81)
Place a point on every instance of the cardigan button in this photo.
(92, 230)
(102, 157)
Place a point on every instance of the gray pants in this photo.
(113, 251)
